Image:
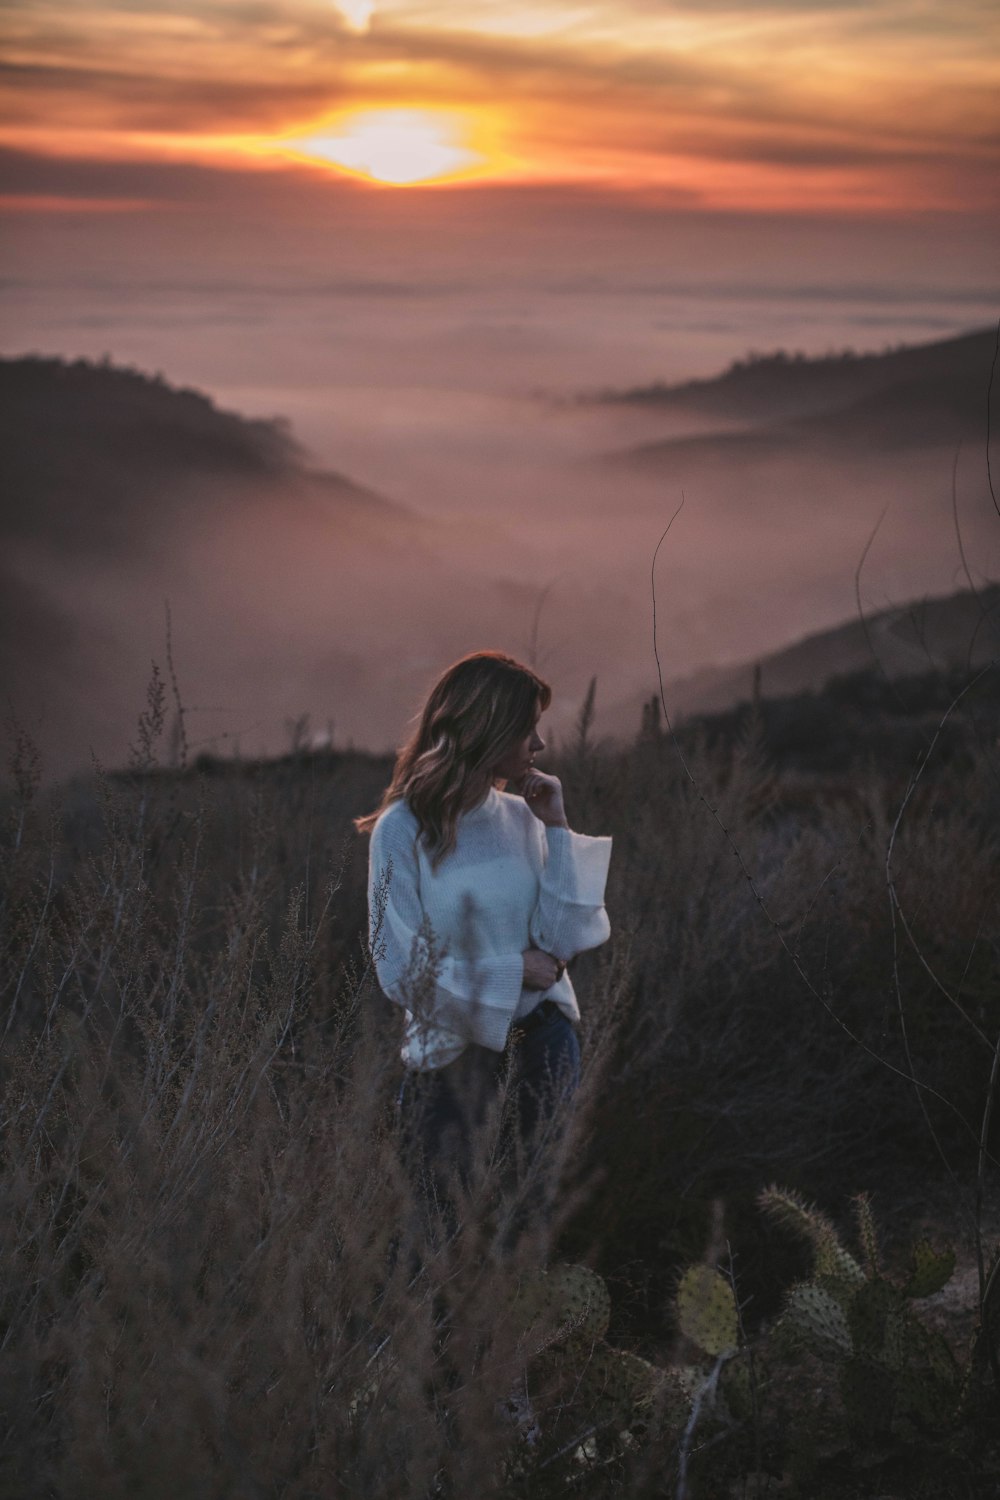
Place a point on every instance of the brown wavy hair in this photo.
(476, 711)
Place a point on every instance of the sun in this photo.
(401, 147)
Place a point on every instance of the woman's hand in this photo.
(543, 794)
(541, 970)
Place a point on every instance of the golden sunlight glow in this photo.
(397, 146)
(357, 13)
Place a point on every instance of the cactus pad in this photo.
(818, 1317)
(930, 1270)
(616, 1387)
(874, 1320)
(565, 1302)
(867, 1233)
(706, 1310)
(829, 1256)
(904, 1375)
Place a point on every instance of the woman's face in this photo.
(519, 759)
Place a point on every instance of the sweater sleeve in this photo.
(472, 997)
(569, 916)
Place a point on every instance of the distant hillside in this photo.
(97, 456)
(122, 493)
(933, 394)
(769, 386)
(174, 426)
(943, 635)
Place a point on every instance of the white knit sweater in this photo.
(448, 943)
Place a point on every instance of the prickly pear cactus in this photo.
(706, 1310)
(896, 1375)
(615, 1386)
(830, 1258)
(901, 1375)
(818, 1317)
(566, 1311)
(874, 1320)
(930, 1270)
(866, 1233)
(583, 1300)
(567, 1303)
(617, 1392)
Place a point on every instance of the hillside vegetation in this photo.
(789, 386)
(215, 1280)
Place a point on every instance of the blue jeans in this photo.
(546, 1068)
(443, 1112)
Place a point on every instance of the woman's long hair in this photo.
(476, 711)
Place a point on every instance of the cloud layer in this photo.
(882, 106)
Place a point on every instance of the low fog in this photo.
(329, 569)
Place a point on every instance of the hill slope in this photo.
(87, 448)
(122, 492)
(932, 394)
(945, 635)
(781, 385)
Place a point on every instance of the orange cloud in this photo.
(886, 106)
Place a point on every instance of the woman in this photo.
(478, 899)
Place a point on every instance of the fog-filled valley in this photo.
(297, 590)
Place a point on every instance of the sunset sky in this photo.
(863, 106)
(573, 164)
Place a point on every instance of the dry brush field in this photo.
(215, 1279)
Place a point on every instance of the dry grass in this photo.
(216, 1279)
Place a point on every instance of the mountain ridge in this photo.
(65, 424)
(751, 386)
(769, 405)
